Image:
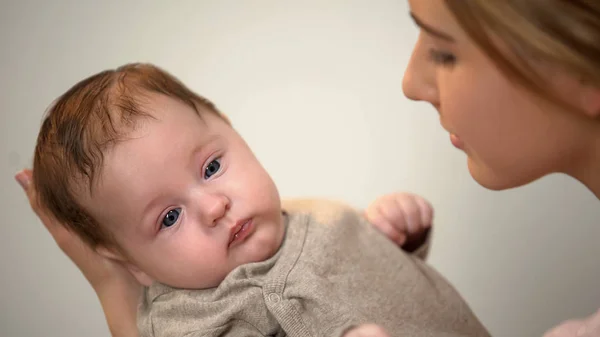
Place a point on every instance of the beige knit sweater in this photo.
(332, 272)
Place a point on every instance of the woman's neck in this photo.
(591, 179)
(587, 171)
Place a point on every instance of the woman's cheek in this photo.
(454, 104)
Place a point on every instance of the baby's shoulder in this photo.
(322, 210)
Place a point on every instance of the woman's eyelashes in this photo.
(212, 168)
(441, 57)
(170, 218)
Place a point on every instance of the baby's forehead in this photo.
(119, 191)
(146, 156)
(159, 147)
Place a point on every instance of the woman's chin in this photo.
(493, 179)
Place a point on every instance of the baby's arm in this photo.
(405, 218)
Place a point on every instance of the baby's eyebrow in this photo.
(209, 139)
(149, 209)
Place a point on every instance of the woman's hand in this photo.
(116, 288)
(367, 330)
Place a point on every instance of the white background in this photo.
(315, 88)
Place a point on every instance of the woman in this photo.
(517, 86)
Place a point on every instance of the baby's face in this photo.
(186, 198)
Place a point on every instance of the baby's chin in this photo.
(219, 276)
(261, 246)
(258, 254)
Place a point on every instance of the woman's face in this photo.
(510, 137)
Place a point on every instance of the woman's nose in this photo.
(420, 81)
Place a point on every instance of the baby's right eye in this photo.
(171, 218)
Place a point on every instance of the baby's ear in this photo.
(118, 258)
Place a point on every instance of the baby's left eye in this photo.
(171, 218)
(212, 168)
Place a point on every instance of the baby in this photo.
(152, 175)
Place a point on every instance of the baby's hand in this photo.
(403, 217)
(367, 330)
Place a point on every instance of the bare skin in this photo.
(518, 141)
(114, 285)
(405, 218)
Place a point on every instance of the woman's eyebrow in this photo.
(429, 29)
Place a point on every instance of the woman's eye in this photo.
(442, 58)
(212, 168)
(171, 218)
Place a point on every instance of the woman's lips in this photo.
(456, 141)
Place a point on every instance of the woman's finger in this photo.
(25, 178)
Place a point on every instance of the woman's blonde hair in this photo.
(565, 33)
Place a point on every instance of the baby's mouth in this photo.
(239, 231)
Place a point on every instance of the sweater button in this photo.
(274, 298)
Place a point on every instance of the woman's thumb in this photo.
(24, 179)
